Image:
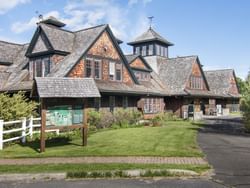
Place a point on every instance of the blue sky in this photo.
(218, 31)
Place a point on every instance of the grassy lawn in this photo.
(176, 138)
(94, 167)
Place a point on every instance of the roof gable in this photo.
(223, 82)
(138, 62)
(39, 46)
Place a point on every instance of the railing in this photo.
(26, 128)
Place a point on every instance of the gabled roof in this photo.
(148, 36)
(9, 51)
(55, 39)
(175, 74)
(65, 87)
(131, 57)
(220, 82)
(82, 42)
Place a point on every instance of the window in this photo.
(196, 82)
(93, 68)
(162, 51)
(88, 68)
(137, 50)
(97, 65)
(111, 103)
(118, 72)
(39, 67)
(144, 51)
(150, 49)
(111, 70)
(97, 103)
(143, 76)
(158, 49)
(153, 105)
(125, 101)
(166, 52)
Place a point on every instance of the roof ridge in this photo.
(183, 56)
(12, 43)
(227, 69)
(90, 28)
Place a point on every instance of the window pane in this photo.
(137, 50)
(38, 68)
(111, 70)
(150, 49)
(157, 50)
(118, 74)
(88, 68)
(31, 72)
(97, 69)
(46, 65)
(144, 50)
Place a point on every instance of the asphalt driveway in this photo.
(227, 148)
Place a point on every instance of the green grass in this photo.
(94, 167)
(176, 138)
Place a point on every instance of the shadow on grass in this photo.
(51, 142)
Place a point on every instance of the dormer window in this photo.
(39, 67)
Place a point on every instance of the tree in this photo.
(242, 85)
(245, 103)
(17, 106)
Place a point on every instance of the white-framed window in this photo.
(137, 50)
(111, 70)
(158, 49)
(166, 52)
(150, 49)
(162, 51)
(144, 51)
(39, 67)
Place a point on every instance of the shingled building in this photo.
(147, 80)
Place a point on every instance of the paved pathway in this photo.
(228, 150)
(131, 160)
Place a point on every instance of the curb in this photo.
(62, 176)
(32, 177)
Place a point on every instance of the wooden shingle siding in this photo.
(55, 59)
(78, 70)
(138, 64)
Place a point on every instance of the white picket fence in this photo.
(26, 128)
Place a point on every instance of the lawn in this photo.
(176, 138)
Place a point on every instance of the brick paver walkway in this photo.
(131, 160)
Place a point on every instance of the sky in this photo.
(218, 31)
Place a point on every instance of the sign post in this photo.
(43, 127)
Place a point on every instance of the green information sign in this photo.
(64, 115)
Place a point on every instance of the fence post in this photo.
(1, 134)
(31, 127)
(24, 130)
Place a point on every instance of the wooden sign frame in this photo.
(84, 126)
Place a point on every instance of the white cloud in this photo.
(20, 27)
(6, 5)
(133, 2)
(79, 14)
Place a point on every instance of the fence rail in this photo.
(24, 127)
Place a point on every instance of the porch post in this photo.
(85, 123)
(43, 126)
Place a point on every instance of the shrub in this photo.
(160, 119)
(17, 106)
(120, 118)
(126, 118)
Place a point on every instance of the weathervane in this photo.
(150, 21)
(40, 16)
